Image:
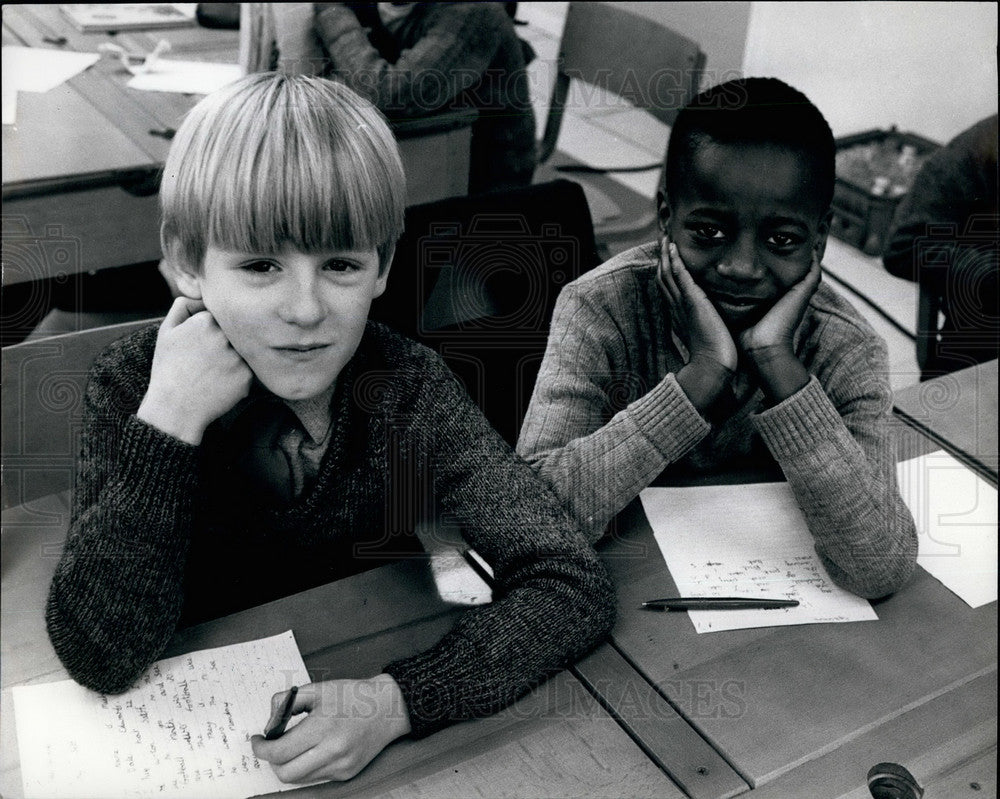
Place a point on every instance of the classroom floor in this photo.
(604, 130)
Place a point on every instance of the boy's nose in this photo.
(740, 261)
(302, 305)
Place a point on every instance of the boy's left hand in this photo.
(777, 328)
(768, 346)
(349, 723)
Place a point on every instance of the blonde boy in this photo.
(266, 438)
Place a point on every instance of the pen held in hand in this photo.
(278, 729)
(718, 603)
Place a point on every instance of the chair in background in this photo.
(476, 279)
(634, 57)
(43, 389)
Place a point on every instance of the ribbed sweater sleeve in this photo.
(117, 592)
(552, 598)
(837, 455)
(596, 465)
(455, 49)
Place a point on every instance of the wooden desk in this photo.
(807, 710)
(81, 162)
(958, 411)
(557, 741)
(661, 711)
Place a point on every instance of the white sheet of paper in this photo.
(183, 731)
(746, 541)
(955, 511)
(187, 77)
(36, 69)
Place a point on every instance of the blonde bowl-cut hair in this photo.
(274, 160)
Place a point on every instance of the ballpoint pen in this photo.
(718, 603)
(278, 729)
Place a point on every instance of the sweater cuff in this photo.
(160, 470)
(798, 423)
(668, 419)
(432, 694)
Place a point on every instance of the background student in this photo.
(946, 236)
(717, 347)
(419, 59)
(267, 438)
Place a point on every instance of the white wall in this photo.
(927, 67)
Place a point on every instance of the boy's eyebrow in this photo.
(787, 220)
(727, 215)
(717, 213)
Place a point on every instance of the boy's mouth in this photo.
(301, 347)
(304, 353)
(735, 301)
(738, 310)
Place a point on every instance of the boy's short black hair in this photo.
(753, 111)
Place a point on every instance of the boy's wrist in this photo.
(392, 705)
(779, 373)
(165, 418)
(703, 380)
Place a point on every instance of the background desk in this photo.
(80, 164)
(958, 411)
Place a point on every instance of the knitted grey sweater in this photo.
(163, 533)
(451, 56)
(607, 417)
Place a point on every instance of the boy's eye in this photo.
(338, 265)
(259, 267)
(784, 241)
(707, 232)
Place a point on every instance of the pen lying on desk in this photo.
(718, 603)
(479, 566)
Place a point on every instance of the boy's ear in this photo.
(182, 279)
(823, 232)
(662, 211)
(383, 279)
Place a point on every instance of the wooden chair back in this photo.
(43, 390)
(476, 279)
(632, 56)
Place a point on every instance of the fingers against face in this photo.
(665, 273)
(799, 293)
(689, 294)
(182, 309)
(814, 275)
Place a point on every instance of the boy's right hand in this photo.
(713, 355)
(196, 376)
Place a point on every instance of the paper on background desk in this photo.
(187, 77)
(955, 511)
(183, 731)
(746, 541)
(35, 69)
